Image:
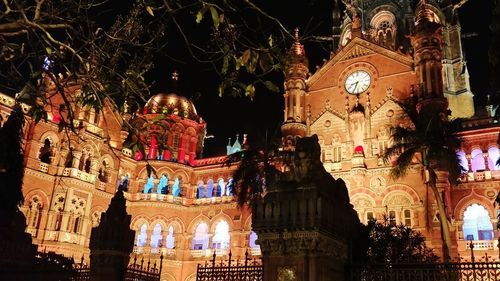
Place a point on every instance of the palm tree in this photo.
(431, 141)
(258, 167)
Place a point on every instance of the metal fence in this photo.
(230, 270)
(485, 269)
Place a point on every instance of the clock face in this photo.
(357, 82)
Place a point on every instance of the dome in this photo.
(171, 104)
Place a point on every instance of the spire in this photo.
(423, 13)
(336, 22)
(297, 48)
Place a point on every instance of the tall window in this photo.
(210, 188)
(493, 155)
(477, 160)
(337, 154)
(170, 238)
(392, 218)
(200, 193)
(221, 188)
(156, 239)
(162, 185)
(221, 236)
(407, 217)
(200, 237)
(369, 216)
(176, 190)
(142, 238)
(35, 207)
(150, 185)
(477, 223)
(229, 187)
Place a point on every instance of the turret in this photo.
(427, 44)
(296, 71)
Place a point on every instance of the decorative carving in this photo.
(377, 184)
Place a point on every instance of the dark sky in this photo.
(228, 116)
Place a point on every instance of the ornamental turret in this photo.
(296, 71)
(427, 44)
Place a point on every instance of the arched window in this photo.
(46, 152)
(200, 237)
(210, 188)
(104, 172)
(477, 160)
(477, 224)
(156, 239)
(87, 165)
(150, 185)
(162, 185)
(252, 239)
(176, 191)
(221, 188)
(493, 155)
(170, 238)
(142, 237)
(200, 193)
(221, 236)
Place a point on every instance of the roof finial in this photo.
(296, 34)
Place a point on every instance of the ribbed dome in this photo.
(171, 104)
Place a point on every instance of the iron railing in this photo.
(230, 270)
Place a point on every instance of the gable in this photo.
(385, 61)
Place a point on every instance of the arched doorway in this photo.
(477, 223)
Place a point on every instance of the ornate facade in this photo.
(185, 210)
(390, 51)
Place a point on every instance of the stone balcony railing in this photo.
(255, 251)
(165, 252)
(44, 167)
(480, 176)
(213, 200)
(75, 173)
(479, 245)
(201, 253)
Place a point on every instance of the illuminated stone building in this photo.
(351, 101)
(185, 209)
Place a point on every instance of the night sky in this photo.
(228, 116)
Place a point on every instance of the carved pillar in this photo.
(486, 162)
(469, 162)
(182, 149)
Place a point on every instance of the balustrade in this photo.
(44, 167)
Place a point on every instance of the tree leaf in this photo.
(225, 64)
(199, 16)
(215, 16)
(270, 40)
(245, 57)
(250, 91)
(271, 86)
(48, 50)
(150, 11)
(220, 90)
